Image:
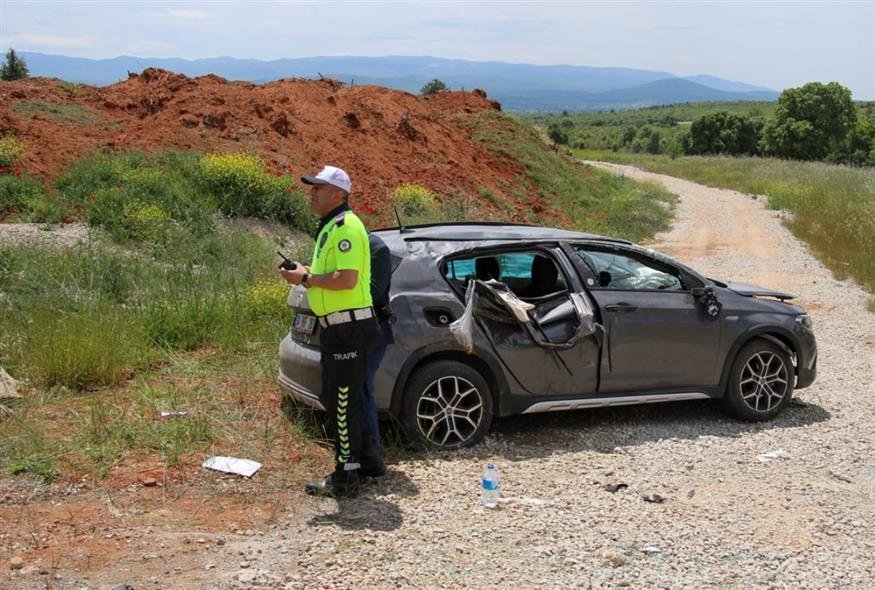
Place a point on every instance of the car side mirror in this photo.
(604, 278)
(708, 298)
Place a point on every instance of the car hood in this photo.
(756, 291)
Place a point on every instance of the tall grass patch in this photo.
(161, 199)
(833, 206)
(92, 317)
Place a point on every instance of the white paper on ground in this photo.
(779, 454)
(244, 467)
(168, 413)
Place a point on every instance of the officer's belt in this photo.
(345, 316)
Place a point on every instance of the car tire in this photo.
(447, 405)
(760, 382)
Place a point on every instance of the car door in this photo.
(657, 335)
(541, 371)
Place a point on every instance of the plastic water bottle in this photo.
(491, 484)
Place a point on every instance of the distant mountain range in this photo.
(519, 87)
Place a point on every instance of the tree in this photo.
(13, 68)
(858, 148)
(432, 87)
(647, 140)
(722, 132)
(810, 122)
(557, 134)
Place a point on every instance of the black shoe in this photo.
(373, 467)
(340, 484)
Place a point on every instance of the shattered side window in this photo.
(527, 274)
(460, 269)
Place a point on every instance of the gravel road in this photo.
(806, 520)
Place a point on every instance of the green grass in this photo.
(587, 200)
(59, 113)
(833, 206)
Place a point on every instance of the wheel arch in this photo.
(774, 334)
(479, 360)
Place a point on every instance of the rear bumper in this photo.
(300, 372)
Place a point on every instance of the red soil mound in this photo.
(382, 137)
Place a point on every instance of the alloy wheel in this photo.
(449, 411)
(764, 381)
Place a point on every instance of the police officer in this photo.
(338, 290)
(381, 282)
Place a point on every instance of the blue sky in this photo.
(774, 44)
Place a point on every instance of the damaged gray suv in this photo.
(502, 319)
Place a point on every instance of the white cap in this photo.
(330, 175)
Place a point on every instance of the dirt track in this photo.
(729, 520)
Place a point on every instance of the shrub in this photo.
(722, 132)
(432, 87)
(12, 149)
(145, 221)
(242, 186)
(414, 200)
(557, 134)
(266, 299)
(27, 199)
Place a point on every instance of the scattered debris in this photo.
(8, 386)
(840, 477)
(651, 550)
(691, 493)
(244, 467)
(613, 559)
(616, 487)
(526, 501)
(150, 482)
(772, 455)
(654, 498)
(168, 413)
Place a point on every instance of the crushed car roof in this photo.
(483, 231)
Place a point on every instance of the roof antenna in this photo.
(401, 228)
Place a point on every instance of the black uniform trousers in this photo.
(345, 352)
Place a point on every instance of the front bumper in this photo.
(806, 376)
(300, 372)
(806, 371)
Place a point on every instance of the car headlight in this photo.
(805, 320)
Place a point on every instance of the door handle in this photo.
(620, 308)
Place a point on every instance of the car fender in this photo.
(766, 332)
(450, 349)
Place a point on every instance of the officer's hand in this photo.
(293, 277)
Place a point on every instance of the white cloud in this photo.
(28, 40)
(185, 14)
